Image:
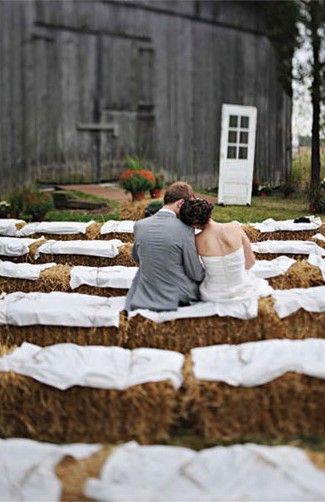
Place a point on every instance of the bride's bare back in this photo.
(221, 239)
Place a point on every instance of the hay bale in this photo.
(290, 406)
(133, 210)
(92, 232)
(124, 258)
(184, 334)
(74, 473)
(122, 236)
(33, 410)
(300, 275)
(255, 235)
(272, 256)
(49, 335)
(56, 278)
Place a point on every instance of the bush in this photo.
(136, 181)
(31, 205)
(159, 181)
(5, 209)
(153, 207)
(134, 163)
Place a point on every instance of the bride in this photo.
(226, 253)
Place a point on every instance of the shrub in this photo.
(153, 207)
(31, 205)
(159, 181)
(5, 209)
(135, 181)
(134, 163)
(287, 188)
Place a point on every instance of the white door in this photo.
(237, 151)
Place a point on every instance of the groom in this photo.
(169, 267)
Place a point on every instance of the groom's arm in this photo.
(191, 261)
(134, 253)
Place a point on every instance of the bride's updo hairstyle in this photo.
(196, 212)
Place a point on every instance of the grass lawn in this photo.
(262, 208)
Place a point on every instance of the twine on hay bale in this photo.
(290, 406)
(300, 275)
(145, 413)
(49, 335)
(184, 334)
(74, 473)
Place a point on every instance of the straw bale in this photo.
(74, 473)
(122, 236)
(272, 256)
(20, 225)
(124, 258)
(49, 335)
(255, 235)
(284, 408)
(56, 278)
(300, 275)
(33, 410)
(92, 232)
(133, 210)
(184, 334)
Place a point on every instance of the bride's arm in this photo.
(249, 255)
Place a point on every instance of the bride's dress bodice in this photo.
(227, 279)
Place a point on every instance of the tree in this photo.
(312, 16)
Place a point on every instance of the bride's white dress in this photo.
(226, 279)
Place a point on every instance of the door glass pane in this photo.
(244, 122)
(242, 152)
(232, 137)
(243, 138)
(231, 153)
(233, 121)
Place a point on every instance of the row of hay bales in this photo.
(57, 278)
(291, 405)
(180, 335)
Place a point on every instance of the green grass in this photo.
(262, 208)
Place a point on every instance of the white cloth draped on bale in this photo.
(319, 237)
(54, 227)
(14, 246)
(66, 365)
(105, 249)
(8, 226)
(272, 268)
(256, 363)
(103, 277)
(287, 247)
(289, 301)
(22, 270)
(317, 261)
(60, 309)
(27, 468)
(239, 472)
(124, 226)
(271, 225)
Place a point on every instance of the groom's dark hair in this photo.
(178, 190)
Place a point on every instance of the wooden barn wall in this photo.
(159, 78)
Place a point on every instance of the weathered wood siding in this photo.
(158, 71)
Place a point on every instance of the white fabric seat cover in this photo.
(27, 468)
(319, 237)
(8, 226)
(256, 363)
(289, 301)
(60, 309)
(103, 277)
(105, 249)
(22, 270)
(54, 227)
(271, 225)
(66, 365)
(290, 247)
(319, 262)
(125, 226)
(272, 268)
(239, 472)
(13, 246)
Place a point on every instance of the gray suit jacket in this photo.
(169, 267)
